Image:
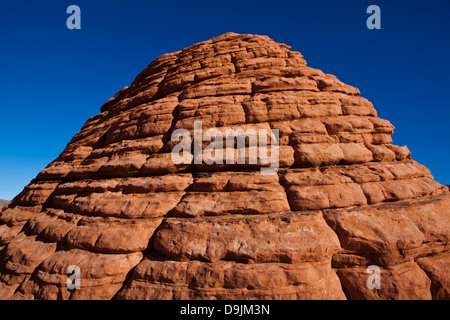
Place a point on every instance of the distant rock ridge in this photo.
(3, 203)
(139, 226)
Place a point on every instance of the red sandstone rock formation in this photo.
(3, 203)
(141, 227)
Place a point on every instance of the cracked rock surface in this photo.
(141, 227)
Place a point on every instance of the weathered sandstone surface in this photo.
(142, 227)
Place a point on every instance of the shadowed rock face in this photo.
(141, 227)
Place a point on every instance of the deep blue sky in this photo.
(53, 79)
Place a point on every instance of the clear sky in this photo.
(53, 79)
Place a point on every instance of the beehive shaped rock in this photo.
(140, 226)
(3, 203)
